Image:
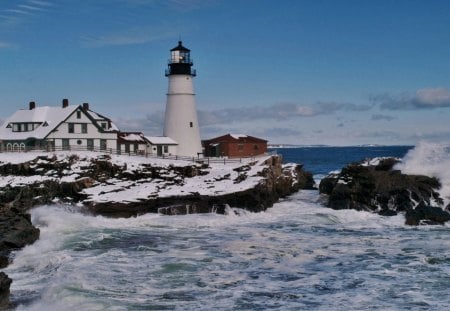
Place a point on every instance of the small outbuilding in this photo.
(132, 142)
(161, 145)
(234, 145)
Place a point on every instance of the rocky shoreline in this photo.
(95, 182)
(375, 185)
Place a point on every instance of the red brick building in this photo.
(232, 145)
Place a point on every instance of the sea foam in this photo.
(430, 159)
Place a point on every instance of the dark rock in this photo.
(4, 261)
(381, 189)
(5, 283)
(16, 230)
(425, 214)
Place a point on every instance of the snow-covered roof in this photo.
(98, 117)
(52, 116)
(132, 137)
(48, 117)
(237, 136)
(161, 140)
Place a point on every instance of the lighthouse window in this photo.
(191, 124)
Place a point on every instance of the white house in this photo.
(161, 145)
(132, 142)
(64, 127)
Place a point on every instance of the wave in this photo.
(430, 159)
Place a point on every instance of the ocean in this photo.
(298, 255)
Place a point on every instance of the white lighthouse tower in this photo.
(181, 122)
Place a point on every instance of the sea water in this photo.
(298, 255)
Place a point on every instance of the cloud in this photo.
(176, 5)
(22, 12)
(6, 45)
(151, 124)
(378, 117)
(279, 132)
(278, 111)
(127, 37)
(427, 98)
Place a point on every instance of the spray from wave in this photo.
(430, 159)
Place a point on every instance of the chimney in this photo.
(65, 102)
(85, 106)
(32, 105)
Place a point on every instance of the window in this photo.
(84, 128)
(78, 114)
(103, 125)
(240, 147)
(102, 144)
(25, 127)
(255, 147)
(90, 144)
(79, 142)
(166, 149)
(65, 144)
(191, 124)
(71, 127)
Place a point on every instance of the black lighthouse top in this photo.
(180, 61)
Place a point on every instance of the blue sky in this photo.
(300, 72)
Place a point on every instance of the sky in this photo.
(304, 72)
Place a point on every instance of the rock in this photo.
(5, 283)
(16, 230)
(425, 214)
(379, 188)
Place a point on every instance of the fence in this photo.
(140, 153)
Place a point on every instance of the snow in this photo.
(238, 136)
(132, 137)
(161, 140)
(212, 184)
(219, 180)
(52, 115)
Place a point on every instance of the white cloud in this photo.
(19, 13)
(427, 98)
(378, 117)
(434, 96)
(5, 45)
(128, 37)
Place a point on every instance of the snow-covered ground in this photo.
(216, 179)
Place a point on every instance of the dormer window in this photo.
(103, 125)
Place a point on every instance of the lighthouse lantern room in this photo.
(181, 122)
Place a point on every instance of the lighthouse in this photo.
(181, 123)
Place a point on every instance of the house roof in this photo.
(49, 118)
(131, 137)
(52, 116)
(98, 117)
(161, 140)
(241, 138)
